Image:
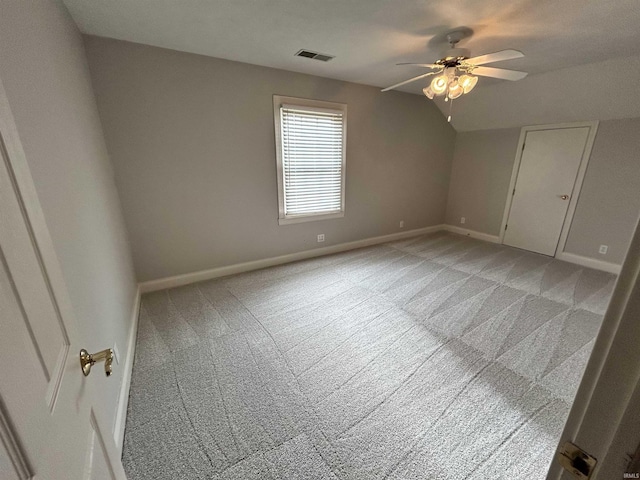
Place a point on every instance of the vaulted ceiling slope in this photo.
(368, 37)
(595, 91)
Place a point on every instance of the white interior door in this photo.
(49, 428)
(545, 183)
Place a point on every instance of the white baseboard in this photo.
(127, 368)
(564, 256)
(589, 262)
(202, 275)
(472, 233)
(186, 279)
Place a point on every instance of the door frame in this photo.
(577, 187)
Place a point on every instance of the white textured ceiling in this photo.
(368, 37)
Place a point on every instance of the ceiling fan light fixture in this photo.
(439, 84)
(467, 82)
(428, 92)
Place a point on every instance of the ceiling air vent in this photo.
(315, 55)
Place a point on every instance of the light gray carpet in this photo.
(438, 357)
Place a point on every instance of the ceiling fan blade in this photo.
(408, 81)
(502, 73)
(500, 56)
(428, 65)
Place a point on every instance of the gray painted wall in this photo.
(46, 78)
(480, 175)
(609, 203)
(192, 140)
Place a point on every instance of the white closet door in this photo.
(544, 186)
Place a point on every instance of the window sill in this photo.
(309, 218)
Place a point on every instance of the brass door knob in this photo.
(87, 360)
(564, 197)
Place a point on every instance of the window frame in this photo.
(309, 105)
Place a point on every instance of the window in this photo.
(310, 152)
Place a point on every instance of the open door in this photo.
(50, 421)
(604, 421)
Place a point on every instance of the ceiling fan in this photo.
(457, 74)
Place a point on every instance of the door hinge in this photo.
(633, 467)
(514, 192)
(523, 146)
(576, 461)
(505, 227)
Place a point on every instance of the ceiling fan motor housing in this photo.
(454, 55)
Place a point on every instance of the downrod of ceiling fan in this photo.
(455, 54)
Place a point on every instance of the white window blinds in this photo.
(312, 142)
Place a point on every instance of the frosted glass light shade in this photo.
(455, 90)
(439, 84)
(428, 92)
(467, 82)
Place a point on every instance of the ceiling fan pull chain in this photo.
(450, 108)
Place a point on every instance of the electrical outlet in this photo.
(603, 249)
(462, 219)
(321, 238)
(401, 223)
